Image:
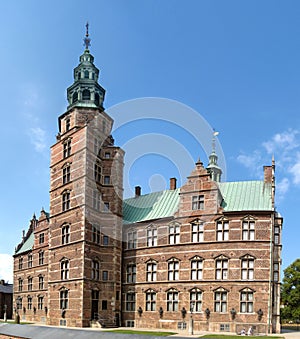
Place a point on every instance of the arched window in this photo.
(75, 97)
(86, 95)
(86, 74)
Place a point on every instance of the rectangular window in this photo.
(132, 239)
(96, 234)
(246, 302)
(220, 302)
(222, 269)
(41, 283)
(131, 273)
(95, 270)
(29, 284)
(150, 301)
(106, 207)
(276, 272)
(65, 201)
(276, 235)
(66, 174)
(197, 232)
(41, 258)
(222, 230)
(248, 230)
(151, 237)
(98, 173)
(20, 263)
(105, 240)
(197, 269)
(64, 299)
(65, 234)
(68, 124)
(107, 155)
(130, 302)
(41, 238)
(196, 300)
(172, 301)
(247, 269)
(198, 202)
(40, 303)
(174, 234)
(20, 285)
(64, 270)
(224, 327)
(173, 270)
(106, 180)
(29, 260)
(105, 275)
(29, 303)
(104, 305)
(67, 148)
(151, 271)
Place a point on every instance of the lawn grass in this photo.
(157, 334)
(224, 336)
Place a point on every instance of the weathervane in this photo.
(87, 40)
(215, 133)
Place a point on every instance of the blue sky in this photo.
(236, 63)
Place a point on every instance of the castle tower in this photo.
(86, 188)
(213, 168)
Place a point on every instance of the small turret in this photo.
(213, 168)
(85, 91)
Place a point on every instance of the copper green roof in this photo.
(246, 196)
(151, 206)
(28, 244)
(237, 196)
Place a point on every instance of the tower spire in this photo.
(213, 168)
(87, 40)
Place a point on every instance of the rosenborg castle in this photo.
(202, 257)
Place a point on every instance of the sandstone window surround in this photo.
(130, 301)
(64, 269)
(63, 298)
(172, 300)
(198, 202)
(20, 285)
(150, 296)
(131, 239)
(20, 263)
(196, 300)
(197, 228)
(41, 257)
(41, 282)
(29, 259)
(29, 303)
(98, 173)
(66, 169)
(247, 267)
(196, 268)
(221, 265)
(173, 269)
(174, 234)
(40, 302)
(96, 200)
(151, 236)
(96, 234)
(246, 300)
(95, 269)
(220, 300)
(65, 234)
(151, 270)
(131, 273)
(222, 231)
(66, 200)
(248, 228)
(29, 283)
(41, 238)
(67, 148)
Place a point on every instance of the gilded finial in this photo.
(87, 40)
(215, 133)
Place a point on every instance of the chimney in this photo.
(268, 174)
(137, 191)
(173, 182)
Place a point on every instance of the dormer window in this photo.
(86, 95)
(86, 74)
(198, 202)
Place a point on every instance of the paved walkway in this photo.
(38, 331)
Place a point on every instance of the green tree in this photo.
(290, 293)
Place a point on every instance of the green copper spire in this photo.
(85, 91)
(213, 168)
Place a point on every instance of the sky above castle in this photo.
(235, 64)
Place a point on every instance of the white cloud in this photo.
(6, 267)
(38, 138)
(282, 187)
(251, 161)
(285, 141)
(294, 169)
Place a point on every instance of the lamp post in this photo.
(191, 327)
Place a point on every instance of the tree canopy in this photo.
(290, 293)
